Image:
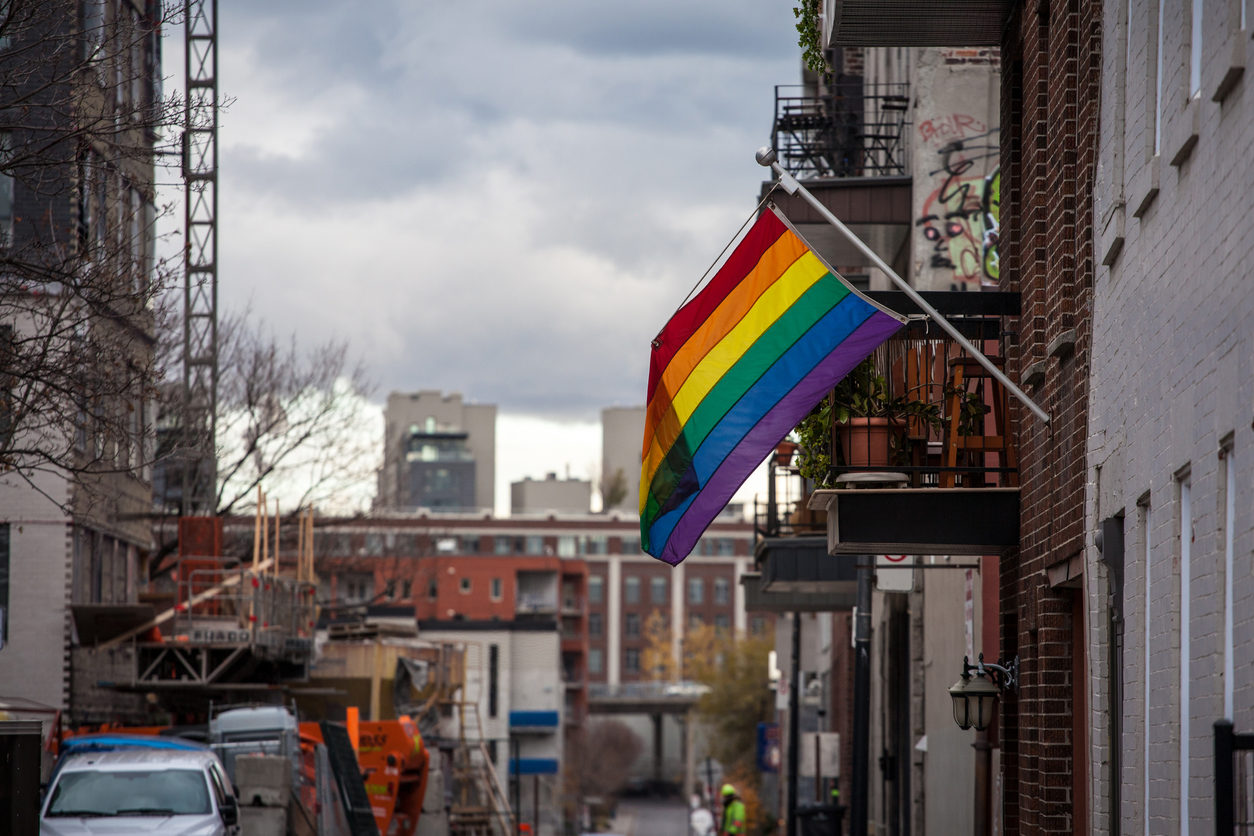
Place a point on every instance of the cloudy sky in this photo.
(505, 200)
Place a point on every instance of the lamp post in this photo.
(974, 698)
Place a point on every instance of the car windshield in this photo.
(155, 792)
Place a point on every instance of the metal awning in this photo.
(956, 23)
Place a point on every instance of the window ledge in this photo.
(1034, 375)
(1111, 241)
(1235, 68)
(1184, 131)
(1145, 187)
(1063, 345)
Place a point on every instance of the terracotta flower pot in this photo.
(784, 453)
(865, 441)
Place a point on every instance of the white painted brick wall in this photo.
(34, 662)
(1173, 346)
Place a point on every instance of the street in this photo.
(651, 817)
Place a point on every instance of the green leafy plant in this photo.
(863, 393)
(814, 443)
(971, 410)
(812, 55)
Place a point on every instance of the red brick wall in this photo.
(1051, 64)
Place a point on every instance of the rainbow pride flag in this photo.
(735, 369)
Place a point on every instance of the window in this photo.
(695, 620)
(494, 664)
(6, 386)
(631, 590)
(594, 624)
(1144, 527)
(594, 660)
(463, 586)
(407, 589)
(657, 590)
(502, 545)
(631, 660)
(596, 589)
(630, 545)
(496, 589)
(722, 591)
(93, 28)
(722, 623)
(1184, 488)
(696, 591)
(534, 544)
(1228, 486)
(631, 625)
(6, 189)
(566, 546)
(757, 625)
(433, 588)
(1195, 51)
(1158, 80)
(4, 584)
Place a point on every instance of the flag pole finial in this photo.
(766, 156)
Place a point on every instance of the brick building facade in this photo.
(1050, 84)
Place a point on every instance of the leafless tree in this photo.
(81, 114)
(599, 760)
(287, 417)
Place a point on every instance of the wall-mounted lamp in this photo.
(974, 696)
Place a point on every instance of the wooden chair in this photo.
(974, 448)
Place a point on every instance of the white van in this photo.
(150, 792)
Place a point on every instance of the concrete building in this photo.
(439, 453)
(622, 430)
(550, 495)
(1167, 539)
(516, 685)
(76, 215)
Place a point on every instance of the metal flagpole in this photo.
(767, 157)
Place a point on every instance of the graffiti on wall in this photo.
(960, 218)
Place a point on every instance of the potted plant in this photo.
(865, 416)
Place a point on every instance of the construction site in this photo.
(354, 729)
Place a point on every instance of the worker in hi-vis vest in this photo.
(733, 823)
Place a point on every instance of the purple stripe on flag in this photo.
(763, 438)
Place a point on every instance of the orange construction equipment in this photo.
(394, 767)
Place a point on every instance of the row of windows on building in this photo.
(359, 587)
(659, 592)
(632, 655)
(388, 543)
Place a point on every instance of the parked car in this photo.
(162, 790)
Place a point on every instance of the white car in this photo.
(148, 792)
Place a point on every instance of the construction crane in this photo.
(200, 257)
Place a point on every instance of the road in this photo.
(651, 817)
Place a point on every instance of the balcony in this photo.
(941, 478)
(851, 129)
(849, 142)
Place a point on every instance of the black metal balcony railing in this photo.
(850, 129)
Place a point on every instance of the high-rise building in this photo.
(439, 453)
(79, 117)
